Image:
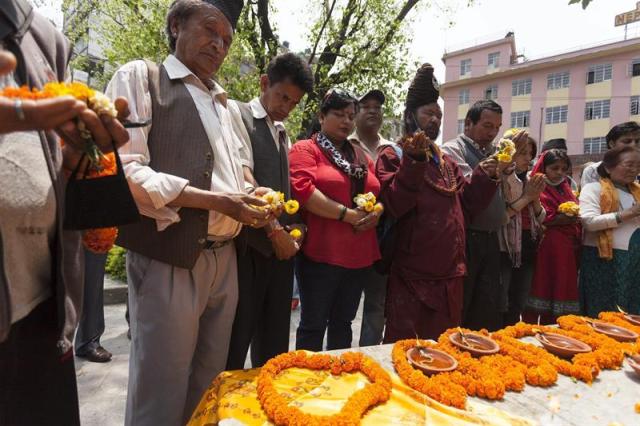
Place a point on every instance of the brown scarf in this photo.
(610, 203)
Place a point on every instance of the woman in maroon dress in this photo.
(554, 291)
(427, 194)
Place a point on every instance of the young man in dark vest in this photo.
(482, 283)
(265, 256)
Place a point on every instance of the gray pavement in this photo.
(102, 388)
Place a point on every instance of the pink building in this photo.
(578, 95)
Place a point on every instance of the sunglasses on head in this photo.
(339, 92)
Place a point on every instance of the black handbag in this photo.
(100, 202)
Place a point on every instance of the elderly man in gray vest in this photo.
(185, 173)
(265, 256)
(482, 283)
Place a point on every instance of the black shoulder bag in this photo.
(100, 202)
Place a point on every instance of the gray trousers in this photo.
(91, 324)
(375, 293)
(180, 329)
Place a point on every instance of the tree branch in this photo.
(268, 36)
(332, 50)
(393, 28)
(322, 28)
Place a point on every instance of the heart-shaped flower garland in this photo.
(278, 410)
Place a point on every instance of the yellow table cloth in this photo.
(232, 397)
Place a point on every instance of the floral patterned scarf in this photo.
(354, 171)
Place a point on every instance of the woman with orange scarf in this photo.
(610, 211)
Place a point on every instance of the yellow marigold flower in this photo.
(504, 157)
(378, 208)
(291, 206)
(295, 233)
(569, 208)
(510, 133)
(369, 207)
(637, 407)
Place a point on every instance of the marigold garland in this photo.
(539, 369)
(617, 318)
(569, 208)
(488, 376)
(439, 387)
(94, 99)
(277, 409)
(582, 369)
(578, 324)
(101, 240)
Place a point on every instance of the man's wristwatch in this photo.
(618, 218)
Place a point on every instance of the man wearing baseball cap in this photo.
(367, 135)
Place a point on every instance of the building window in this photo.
(520, 119)
(555, 115)
(634, 107)
(491, 92)
(557, 80)
(597, 109)
(463, 97)
(635, 67)
(595, 145)
(493, 60)
(465, 67)
(460, 126)
(521, 87)
(598, 73)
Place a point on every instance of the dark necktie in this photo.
(284, 162)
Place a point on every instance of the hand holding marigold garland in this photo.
(277, 409)
(569, 208)
(94, 99)
(506, 150)
(275, 202)
(367, 202)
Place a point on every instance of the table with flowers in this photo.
(520, 385)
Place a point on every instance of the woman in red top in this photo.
(340, 247)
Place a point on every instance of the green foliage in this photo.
(585, 3)
(116, 264)
(355, 44)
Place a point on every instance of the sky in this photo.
(542, 27)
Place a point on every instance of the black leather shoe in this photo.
(98, 354)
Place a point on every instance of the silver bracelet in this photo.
(19, 111)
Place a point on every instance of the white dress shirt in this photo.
(153, 190)
(259, 112)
